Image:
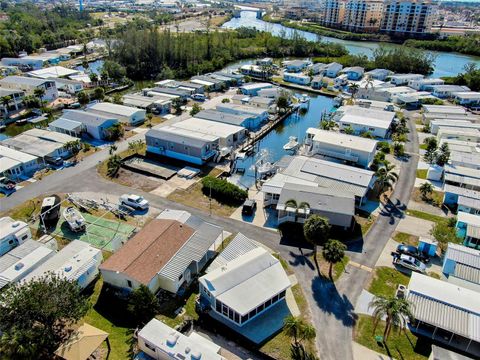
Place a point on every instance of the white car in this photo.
(409, 262)
(134, 201)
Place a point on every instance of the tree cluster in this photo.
(470, 77)
(463, 44)
(222, 190)
(435, 154)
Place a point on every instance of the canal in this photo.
(446, 64)
(271, 146)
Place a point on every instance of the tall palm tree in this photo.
(333, 252)
(6, 102)
(316, 231)
(368, 82)
(292, 203)
(385, 176)
(296, 328)
(396, 311)
(426, 189)
(39, 93)
(354, 89)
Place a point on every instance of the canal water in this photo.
(446, 64)
(270, 148)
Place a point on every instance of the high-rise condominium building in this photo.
(408, 17)
(363, 15)
(333, 13)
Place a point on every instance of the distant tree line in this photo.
(463, 44)
(399, 59)
(29, 28)
(148, 53)
(470, 77)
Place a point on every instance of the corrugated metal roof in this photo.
(473, 231)
(18, 253)
(469, 202)
(466, 272)
(239, 245)
(181, 136)
(193, 250)
(464, 255)
(65, 124)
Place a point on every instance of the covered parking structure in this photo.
(445, 312)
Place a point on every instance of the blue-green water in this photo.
(446, 64)
(272, 143)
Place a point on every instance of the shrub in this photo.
(384, 147)
(222, 190)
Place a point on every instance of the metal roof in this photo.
(468, 273)
(23, 80)
(444, 109)
(18, 253)
(462, 179)
(239, 245)
(222, 117)
(193, 250)
(461, 191)
(464, 255)
(6, 152)
(87, 118)
(247, 281)
(10, 92)
(473, 231)
(445, 305)
(467, 218)
(468, 202)
(343, 140)
(115, 109)
(182, 136)
(209, 127)
(240, 109)
(65, 124)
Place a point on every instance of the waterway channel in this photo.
(446, 64)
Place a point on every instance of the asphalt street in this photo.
(331, 305)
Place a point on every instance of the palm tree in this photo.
(113, 165)
(296, 328)
(292, 203)
(6, 102)
(426, 189)
(396, 311)
(73, 147)
(39, 93)
(385, 176)
(316, 231)
(112, 148)
(368, 82)
(93, 77)
(327, 124)
(333, 252)
(354, 90)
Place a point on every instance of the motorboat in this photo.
(304, 98)
(292, 143)
(265, 169)
(76, 222)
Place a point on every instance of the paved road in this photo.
(331, 305)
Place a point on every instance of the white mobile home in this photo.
(228, 135)
(379, 74)
(253, 88)
(349, 148)
(436, 124)
(467, 98)
(14, 163)
(160, 104)
(95, 125)
(166, 254)
(128, 115)
(404, 79)
(12, 234)
(296, 78)
(78, 261)
(28, 85)
(249, 122)
(376, 122)
(465, 134)
(425, 84)
(447, 91)
(182, 144)
(296, 65)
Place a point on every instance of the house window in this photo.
(225, 310)
(244, 318)
(180, 277)
(237, 318)
(260, 308)
(218, 306)
(282, 294)
(24, 237)
(252, 313)
(231, 314)
(268, 303)
(148, 346)
(275, 299)
(129, 283)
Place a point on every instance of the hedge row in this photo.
(222, 190)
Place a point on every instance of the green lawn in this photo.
(386, 280)
(426, 216)
(400, 345)
(423, 146)
(405, 238)
(422, 173)
(168, 309)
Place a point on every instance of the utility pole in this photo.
(210, 198)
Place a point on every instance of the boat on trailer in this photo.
(76, 222)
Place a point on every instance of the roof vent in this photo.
(16, 224)
(19, 266)
(68, 268)
(172, 340)
(187, 350)
(196, 355)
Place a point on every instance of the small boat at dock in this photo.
(292, 143)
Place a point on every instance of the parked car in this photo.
(249, 207)
(198, 97)
(412, 251)
(134, 201)
(55, 161)
(409, 262)
(7, 184)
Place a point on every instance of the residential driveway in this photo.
(415, 226)
(385, 258)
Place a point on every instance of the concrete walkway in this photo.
(360, 352)
(361, 307)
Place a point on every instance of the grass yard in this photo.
(365, 223)
(194, 197)
(405, 238)
(169, 309)
(423, 146)
(426, 216)
(110, 316)
(400, 345)
(385, 281)
(337, 269)
(434, 199)
(26, 210)
(422, 173)
(279, 346)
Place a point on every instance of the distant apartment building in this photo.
(363, 15)
(333, 13)
(408, 17)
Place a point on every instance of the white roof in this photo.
(53, 71)
(50, 135)
(257, 270)
(179, 132)
(10, 226)
(209, 127)
(239, 246)
(445, 305)
(21, 157)
(406, 76)
(470, 95)
(115, 109)
(202, 82)
(463, 255)
(467, 218)
(366, 116)
(255, 85)
(343, 140)
(458, 131)
(240, 109)
(176, 344)
(70, 262)
(444, 109)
